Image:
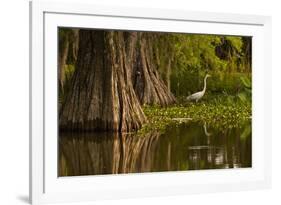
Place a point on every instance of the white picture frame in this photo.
(46, 186)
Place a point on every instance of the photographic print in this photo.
(142, 102)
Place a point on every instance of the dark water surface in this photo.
(188, 146)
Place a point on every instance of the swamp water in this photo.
(185, 146)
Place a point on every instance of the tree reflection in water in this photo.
(181, 147)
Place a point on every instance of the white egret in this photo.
(197, 96)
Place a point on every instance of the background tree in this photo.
(148, 83)
(115, 73)
(224, 57)
(68, 48)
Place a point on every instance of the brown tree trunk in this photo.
(168, 75)
(102, 95)
(247, 47)
(75, 43)
(63, 53)
(148, 85)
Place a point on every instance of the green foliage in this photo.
(246, 94)
(227, 101)
(220, 83)
(69, 70)
(217, 112)
(195, 55)
(246, 82)
(236, 42)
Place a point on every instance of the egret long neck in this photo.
(205, 84)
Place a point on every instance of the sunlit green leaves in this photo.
(222, 56)
(217, 113)
(236, 42)
(246, 81)
(246, 93)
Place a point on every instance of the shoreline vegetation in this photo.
(117, 81)
(220, 116)
(135, 101)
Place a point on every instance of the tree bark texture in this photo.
(63, 53)
(148, 85)
(68, 48)
(102, 95)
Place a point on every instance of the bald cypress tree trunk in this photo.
(148, 84)
(63, 52)
(101, 96)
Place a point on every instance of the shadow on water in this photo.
(187, 146)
